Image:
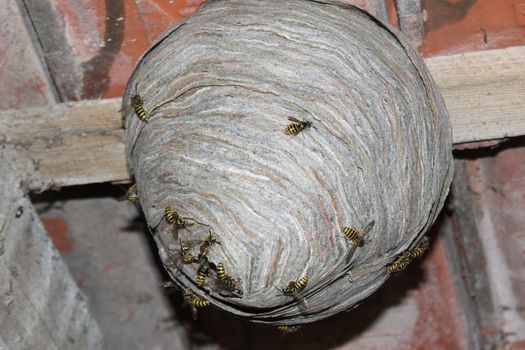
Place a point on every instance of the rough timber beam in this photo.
(81, 143)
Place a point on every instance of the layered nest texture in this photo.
(266, 128)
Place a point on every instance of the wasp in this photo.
(173, 218)
(187, 255)
(401, 262)
(202, 273)
(227, 282)
(137, 103)
(232, 286)
(207, 244)
(183, 256)
(132, 195)
(296, 127)
(420, 249)
(221, 271)
(169, 215)
(356, 237)
(193, 301)
(294, 288)
(204, 246)
(288, 329)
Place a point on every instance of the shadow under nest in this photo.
(229, 332)
(220, 328)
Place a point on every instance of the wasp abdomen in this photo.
(353, 235)
(137, 103)
(199, 302)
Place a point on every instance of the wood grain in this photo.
(81, 143)
(484, 92)
(70, 144)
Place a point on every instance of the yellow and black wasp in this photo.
(193, 301)
(221, 271)
(181, 257)
(288, 329)
(173, 218)
(189, 298)
(401, 262)
(137, 103)
(227, 283)
(294, 288)
(207, 244)
(132, 195)
(410, 254)
(421, 248)
(296, 127)
(202, 273)
(356, 237)
(169, 215)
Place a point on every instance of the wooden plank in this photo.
(484, 92)
(80, 143)
(70, 144)
(42, 307)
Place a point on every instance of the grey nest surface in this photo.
(218, 90)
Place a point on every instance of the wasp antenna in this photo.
(281, 291)
(369, 226)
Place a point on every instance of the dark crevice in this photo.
(96, 78)
(491, 151)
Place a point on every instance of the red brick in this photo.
(461, 26)
(57, 230)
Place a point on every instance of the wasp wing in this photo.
(368, 227)
(193, 312)
(295, 120)
(301, 301)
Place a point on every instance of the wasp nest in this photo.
(259, 130)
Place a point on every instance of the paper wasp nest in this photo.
(217, 92)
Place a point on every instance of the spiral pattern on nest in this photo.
(219, 89)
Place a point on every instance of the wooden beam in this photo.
(70, 143)
(81, 143)
(484, 92)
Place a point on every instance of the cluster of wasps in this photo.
(196, 251)
(227, 283)
(405, 258)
